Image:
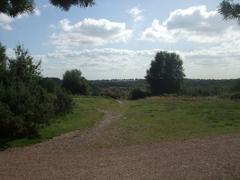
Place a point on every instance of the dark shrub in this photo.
(75, 83)
(63, 102)
(138, 94)
(235, 96)
(24, 103)
(112, 93)
(50, 84)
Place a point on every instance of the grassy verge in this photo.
(85, 114)
(165, 118)
(147, 120)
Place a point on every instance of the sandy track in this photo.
(66, 158)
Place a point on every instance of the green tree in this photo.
(3, 58)
(230, 9)
(165, 74)
(236, 86)
(75, 83)
(16, 7)
(22, 68)
(24, 103)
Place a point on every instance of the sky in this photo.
(119, 39)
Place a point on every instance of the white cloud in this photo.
(90, 32)
(157, 32)
(194, 24)
(6, 21)
(37, 12)
(99, 63)
(136, 14)
(216, 62)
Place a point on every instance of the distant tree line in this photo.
(189, 87)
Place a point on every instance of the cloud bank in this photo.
(90, 32)
(195, 24)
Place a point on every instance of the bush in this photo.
(24, 103)
(75, 83)
(63, 102)
(138, 94)
(7, 125)
(50, 84)
(112, 93)
(235, 96)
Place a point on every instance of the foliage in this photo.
(75, 83)
(84, 115)
(236, 86)
(235, 96)
(3, 59)
(230, 9)
(24, 103)
(137, 94)
(16, 7)
(65, 5)
(50, 84)
(190, 87)
(165, 74)
(63, 103)
(114, 93)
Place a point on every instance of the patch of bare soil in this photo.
(65, 158)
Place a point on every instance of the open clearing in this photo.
(158, 138)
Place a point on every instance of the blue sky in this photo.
(118, 39)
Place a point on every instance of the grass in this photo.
(84, 115)
(165, 118)
(147, 120)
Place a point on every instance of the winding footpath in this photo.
(66, 157)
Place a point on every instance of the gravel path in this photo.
(66, 157)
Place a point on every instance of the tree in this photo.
(3, 58)
(230, 9)
(75, 83)
(165, 74)
(22, 68)
(16, 7)
(137, 93)
(24, 103)
(236, 86)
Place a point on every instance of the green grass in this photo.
(147, 120)
(168, 118)
(84, 115)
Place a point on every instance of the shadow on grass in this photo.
(8, 142)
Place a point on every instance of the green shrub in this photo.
(112, 93)
(63, 102)
(235, 96)
(24, 103)
(74, 82)
(138, 94)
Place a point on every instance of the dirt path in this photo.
(66, 158)
(84, 138)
